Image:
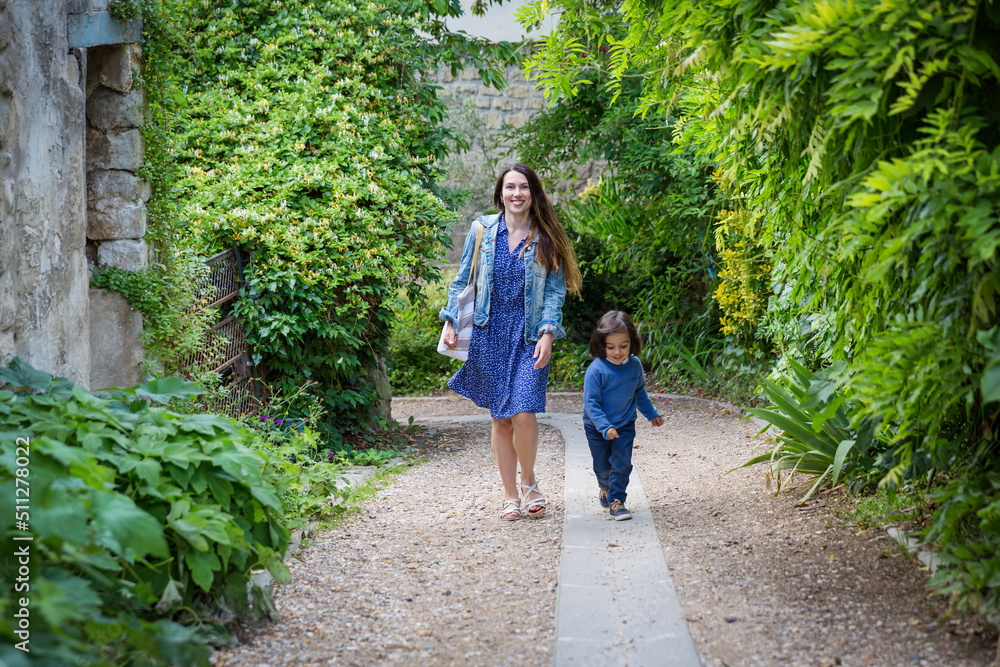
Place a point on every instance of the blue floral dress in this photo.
(499, 373)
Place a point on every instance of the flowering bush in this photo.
(312, 140)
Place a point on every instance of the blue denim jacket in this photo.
(543, 294)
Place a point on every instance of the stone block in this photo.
(125, 254)
(493, 120)
(489, 92)
(519, 118)
(446, 75)
(114, 150)
(515, 75)
(116, 183)
(484, 102)
(517, 104)
(116, 352)
(113, 218)
(470, 74)
(534, 104)
(467, 88)
(8, 299)
(519, 91)
(111, 67)
(108, 109)
(504, 105)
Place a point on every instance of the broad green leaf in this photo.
(19, 373)
(163, 390)
(125, 529)
(203, 565)
(843, 449)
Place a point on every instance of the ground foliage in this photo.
(146, 523)
(311, 139)
(857, 152)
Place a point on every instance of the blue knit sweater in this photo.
(612, 392)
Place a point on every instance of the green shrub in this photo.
(309, 481)
(305, 484)
(312, 139)
(568, 366)
(966, 531)
(822, 435)
(145, 523)
(415, 366)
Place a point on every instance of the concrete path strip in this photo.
(616, 603)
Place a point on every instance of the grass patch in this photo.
(909, 507)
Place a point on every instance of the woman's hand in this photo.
(450, 337)
(543, 351)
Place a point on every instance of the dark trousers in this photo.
(612, 459)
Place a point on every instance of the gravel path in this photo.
(761, 581)
(427, 575)
(765, 582)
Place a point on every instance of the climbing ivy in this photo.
(312, 139)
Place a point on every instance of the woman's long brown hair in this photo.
(554, 249)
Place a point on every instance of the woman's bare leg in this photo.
(526, 445)
(502, 440)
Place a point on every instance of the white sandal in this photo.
(535, 502)
(511, 506)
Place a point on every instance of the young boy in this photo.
(612, 389)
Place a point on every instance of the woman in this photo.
(525, 267)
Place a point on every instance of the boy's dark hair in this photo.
(612, 322)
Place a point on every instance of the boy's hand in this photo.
(612, 433)
(657, 422)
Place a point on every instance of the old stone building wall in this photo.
(44, 313)
(63, 62)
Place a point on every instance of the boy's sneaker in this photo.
(619, 511)
(602, 498)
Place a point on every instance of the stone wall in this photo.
(47, 148)
(484, 116)
(116, 198)
(44, 314)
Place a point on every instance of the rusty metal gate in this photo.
(225, 350)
